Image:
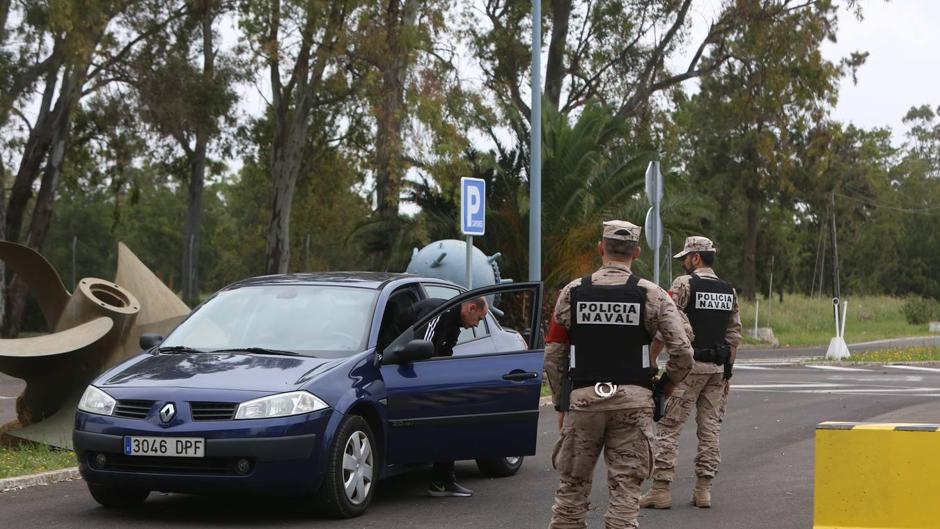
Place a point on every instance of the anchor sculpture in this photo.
(93, 328)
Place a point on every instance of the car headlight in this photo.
(281, 405)
(96, 401)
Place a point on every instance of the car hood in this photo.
(253, 372)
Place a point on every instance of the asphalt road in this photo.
(766, 479)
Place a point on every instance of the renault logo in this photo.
(167, 412)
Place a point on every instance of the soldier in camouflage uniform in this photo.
(712, 308)
(617, 418)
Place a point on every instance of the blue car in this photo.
(314, 385)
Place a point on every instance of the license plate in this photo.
(165, 446)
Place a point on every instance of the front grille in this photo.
(213, 411)
(168, 465)
(133, 409)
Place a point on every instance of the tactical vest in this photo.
(609, 342)
(709, 308)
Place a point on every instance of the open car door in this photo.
(474, 405)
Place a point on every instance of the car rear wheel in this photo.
(351, 470)
(117, 497)
(501, 467)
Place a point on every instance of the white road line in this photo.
(914, 368)
(759, 368)
(871, 393)
(837, 368)
(2, 397)
(790, 386)
(886, 390)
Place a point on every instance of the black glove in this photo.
(659, 397)
(727, 374)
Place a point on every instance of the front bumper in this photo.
(273, 460)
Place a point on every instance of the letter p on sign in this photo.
(472, 206)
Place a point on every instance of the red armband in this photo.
(556, 333)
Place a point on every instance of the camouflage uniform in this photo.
(704, 389)
(621, 424)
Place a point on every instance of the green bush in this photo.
(918, 311)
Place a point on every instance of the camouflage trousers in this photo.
(625, 435)
(706, 393)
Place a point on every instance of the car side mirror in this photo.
(150, 340)
(413, 351)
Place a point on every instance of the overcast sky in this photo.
(903, 69)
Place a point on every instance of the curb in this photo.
(545, 401)
(43, 478)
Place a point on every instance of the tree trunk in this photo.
(292, 105)
(197, 176)
(285, 168)
(56, 125)
(193, 238)
(38, 229)
(37, 145)
(3, 236)
(555, 69)
(389, 168)
(750, 244)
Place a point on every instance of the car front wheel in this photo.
(501, 467)
(117, 498)
(351, 471)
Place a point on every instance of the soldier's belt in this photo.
(603, 386)
(715, 355)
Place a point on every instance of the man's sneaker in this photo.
(444, 489)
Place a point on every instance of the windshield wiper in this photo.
(257, 350)
(178, 349)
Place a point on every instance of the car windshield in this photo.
(312, 320)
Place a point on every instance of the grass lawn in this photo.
(802, 321)
(886, 356)
(30, 459)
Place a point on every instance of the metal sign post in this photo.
(653, 225)
(535, 149)
(472, 216)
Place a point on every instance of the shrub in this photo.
(918, 311)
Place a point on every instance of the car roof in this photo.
(370, 280)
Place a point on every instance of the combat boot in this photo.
(701, 494)
(658, 497)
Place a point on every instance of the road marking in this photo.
(789, 386)
(2, 397)
(914, 368)
(758, 368)
(837, 368)
(759, 363)
(884, 390)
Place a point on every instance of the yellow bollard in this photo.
(877, 475)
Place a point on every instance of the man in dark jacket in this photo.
(443, 331)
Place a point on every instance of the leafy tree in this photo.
(184, 84)
(745, 125)
(303, 44)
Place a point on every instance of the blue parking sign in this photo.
(472, 206)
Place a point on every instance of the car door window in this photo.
(440, 291)
(518, 306)
(396, 316)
